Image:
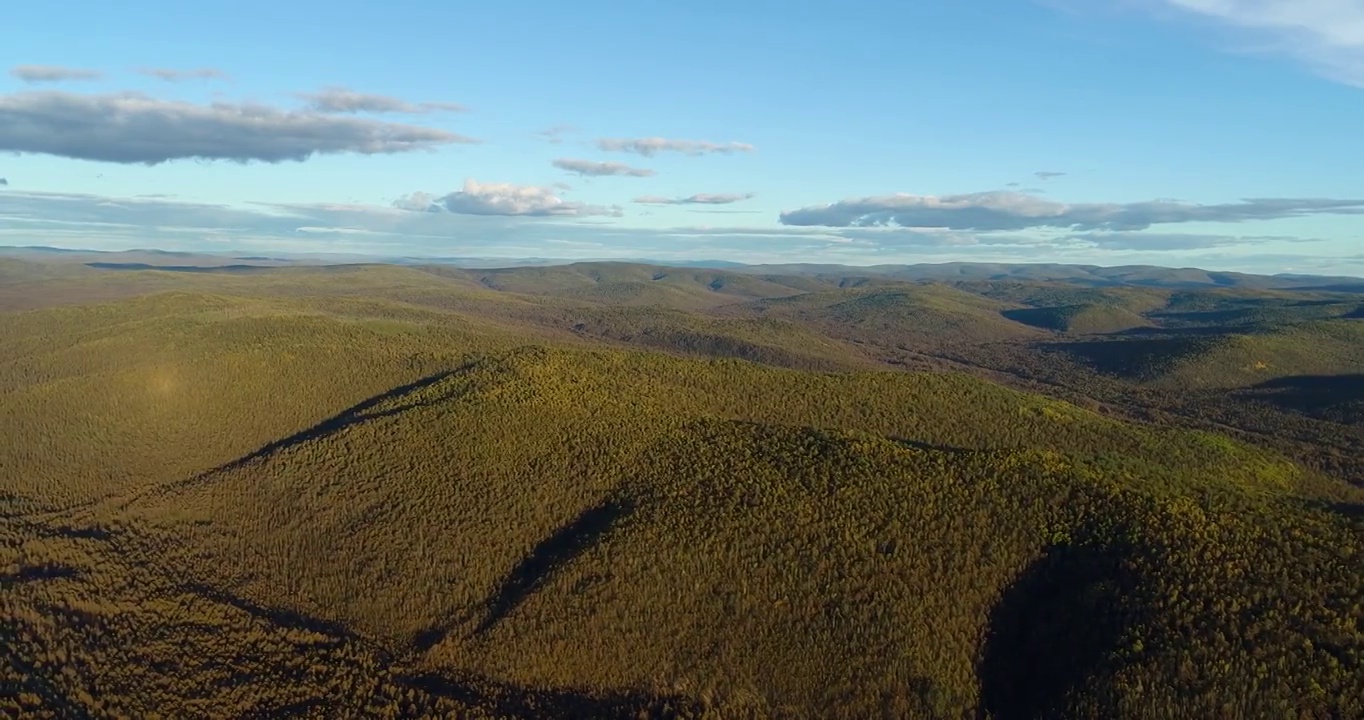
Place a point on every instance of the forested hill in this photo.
(625, 491)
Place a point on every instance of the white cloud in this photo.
(344, 100)
(173, 75)
(649, 147)
(990, 211)
(134, 128)
(590, 168)
(1328, 35)
(504, 199)
(697, 199)
(53, 73)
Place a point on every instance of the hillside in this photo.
(1088, 319)
(707, 538)
(405, 493)
(631, 284)
(900, 315)
(1078, 275)
(1229, 359)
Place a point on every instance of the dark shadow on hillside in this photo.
(94, 532)
(1049, 318)
(67, 532)
(1051, 632)
(512, 701)
(277, 616)
(1134, 358)
(1339, 398)
(549, 556)
(1170, 333)
(1354, 511)
(352, 415)
(31, 573)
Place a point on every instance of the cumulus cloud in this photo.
(344, 100)
(503, 199)
(418, 202)
(993, 211)
(649, 147)
(133, 128)
(697, 199)
(1048, 175)
(53, 73)
(173, 75)
(1328, 35)
(590, 168)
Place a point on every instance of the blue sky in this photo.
(1218, 133)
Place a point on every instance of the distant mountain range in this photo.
(1090, 275)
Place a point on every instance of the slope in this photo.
(1088, 319)
(781, 542)
(901, 315)
(1225, 359)
(97, 399)
(634, 284)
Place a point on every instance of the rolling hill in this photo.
(413, 492)
(1229, 360)
(897, 316)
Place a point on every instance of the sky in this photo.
(1223, 134)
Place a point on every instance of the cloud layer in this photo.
(53, 73)
(101, 222)
(133, 128)
(591, 168)
(345, 100)
(652, 146)
(1328, 35)
(995, 211)
(697, 199)
(503, 199)
(173, 75)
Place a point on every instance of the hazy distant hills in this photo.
(1090, 275)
